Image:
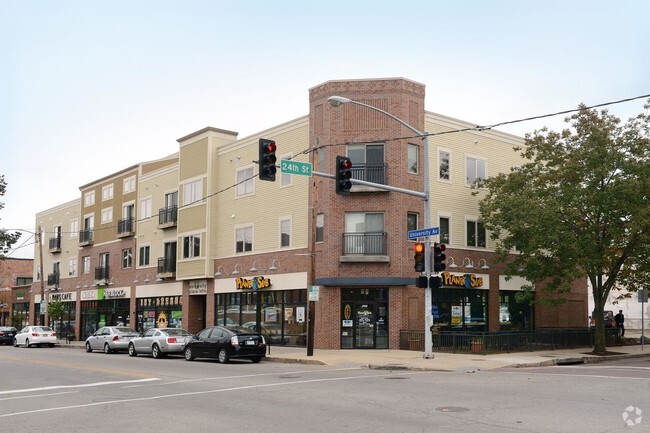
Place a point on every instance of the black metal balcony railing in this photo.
(367, 244)
(166, 265)
(168, 215)
(125, 226)
(101, 273)
(53, 279)
(86, 236)
(55, 244)
(372, 172)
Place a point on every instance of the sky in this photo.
(88, 88)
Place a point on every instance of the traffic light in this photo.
(439, 257)
(267, 159)
(343, 175)
(419, 257)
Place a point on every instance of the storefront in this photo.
(461, 304)
(159, 306)
(65, 325)
(260, 304)
(364, 318)
(104, 307)
(516, 308)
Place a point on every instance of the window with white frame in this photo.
(72, 267)
(89, 198)
(476, 236)
(476, 169)
(445, 230)
(145, 208)
(245, 182)
(444, 165)
(127, 258)
(85, 263)
(144, 254)
(192, 192)
(244, 239)
(413, 161)
(107, 192)
(364, 233)
(320, 227)
(285, 233)
(129, 185)
(286, 178)
(192, 246)
(107, 215)
(74, 228)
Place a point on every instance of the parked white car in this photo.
(110, 339)
(159, 342)
(35, 336)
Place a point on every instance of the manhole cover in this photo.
(397, 377)
(452, 409)
(288, 376)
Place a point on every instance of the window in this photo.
(364, 233)
(245, 182)
(143, 257)
(74, 228)
(191, 246)
(475, 234)
(444, 165)
(367, 162)
(285, 233)
(411, 221)
(107, 215)
(192, 192)
(129, 185)
(85, 263)
(476, 169)
(286, 178)
(320, 227)
(145, 208)
(72, 267)
(413, 158)
(107, 192)
(89, 198)
(244, 239)
(127, 258)
(444, 230)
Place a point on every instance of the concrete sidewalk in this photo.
(411, 360)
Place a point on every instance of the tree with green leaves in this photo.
(578, 206)
(6, 239)
(55, 310)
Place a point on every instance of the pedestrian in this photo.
(620, 322)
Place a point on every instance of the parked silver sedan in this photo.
(159, 342)
(110, 339)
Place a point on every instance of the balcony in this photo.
(372, 172)
(55, 244)
(86, 237)
(167, 217)
(125, 227)
(166, 267)
(53, 279)
(101, 273)
(365, 247)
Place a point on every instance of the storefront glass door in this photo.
(364, 314)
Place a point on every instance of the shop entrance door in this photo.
(364, 327)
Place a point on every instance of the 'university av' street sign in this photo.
(423, 233)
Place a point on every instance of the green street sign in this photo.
(295, 167)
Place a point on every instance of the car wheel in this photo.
(188, 354)
(256, 359)
(27, 343)
(51, 344)
(155, 352)
(15, 343)
(88, 348)
(223, 356)
(107, 348)
(132, 351)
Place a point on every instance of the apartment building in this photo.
(228, 248)
(15, 278)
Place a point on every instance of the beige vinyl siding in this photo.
(263, 209)
(192, 218)
(190, 268)
(194, 159)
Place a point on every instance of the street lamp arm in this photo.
(337, 101)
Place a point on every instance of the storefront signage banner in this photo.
(198, 287)
(99, 294)
(63, 297)
(468, 280)
(256, 283)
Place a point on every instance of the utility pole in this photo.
(40, 254)
(311, 277)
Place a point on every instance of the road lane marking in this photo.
(83, 385)
(213, 391)
(38, 395)
(79, 367)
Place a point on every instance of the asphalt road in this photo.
(61, 390)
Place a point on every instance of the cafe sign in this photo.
(468, 281)
(256, 283)
(63, 297)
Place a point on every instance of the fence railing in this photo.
(503, 342)
(365, 243)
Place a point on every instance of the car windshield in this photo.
(177, 332)
(42, 329)
(4, 328)
(125, 330)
